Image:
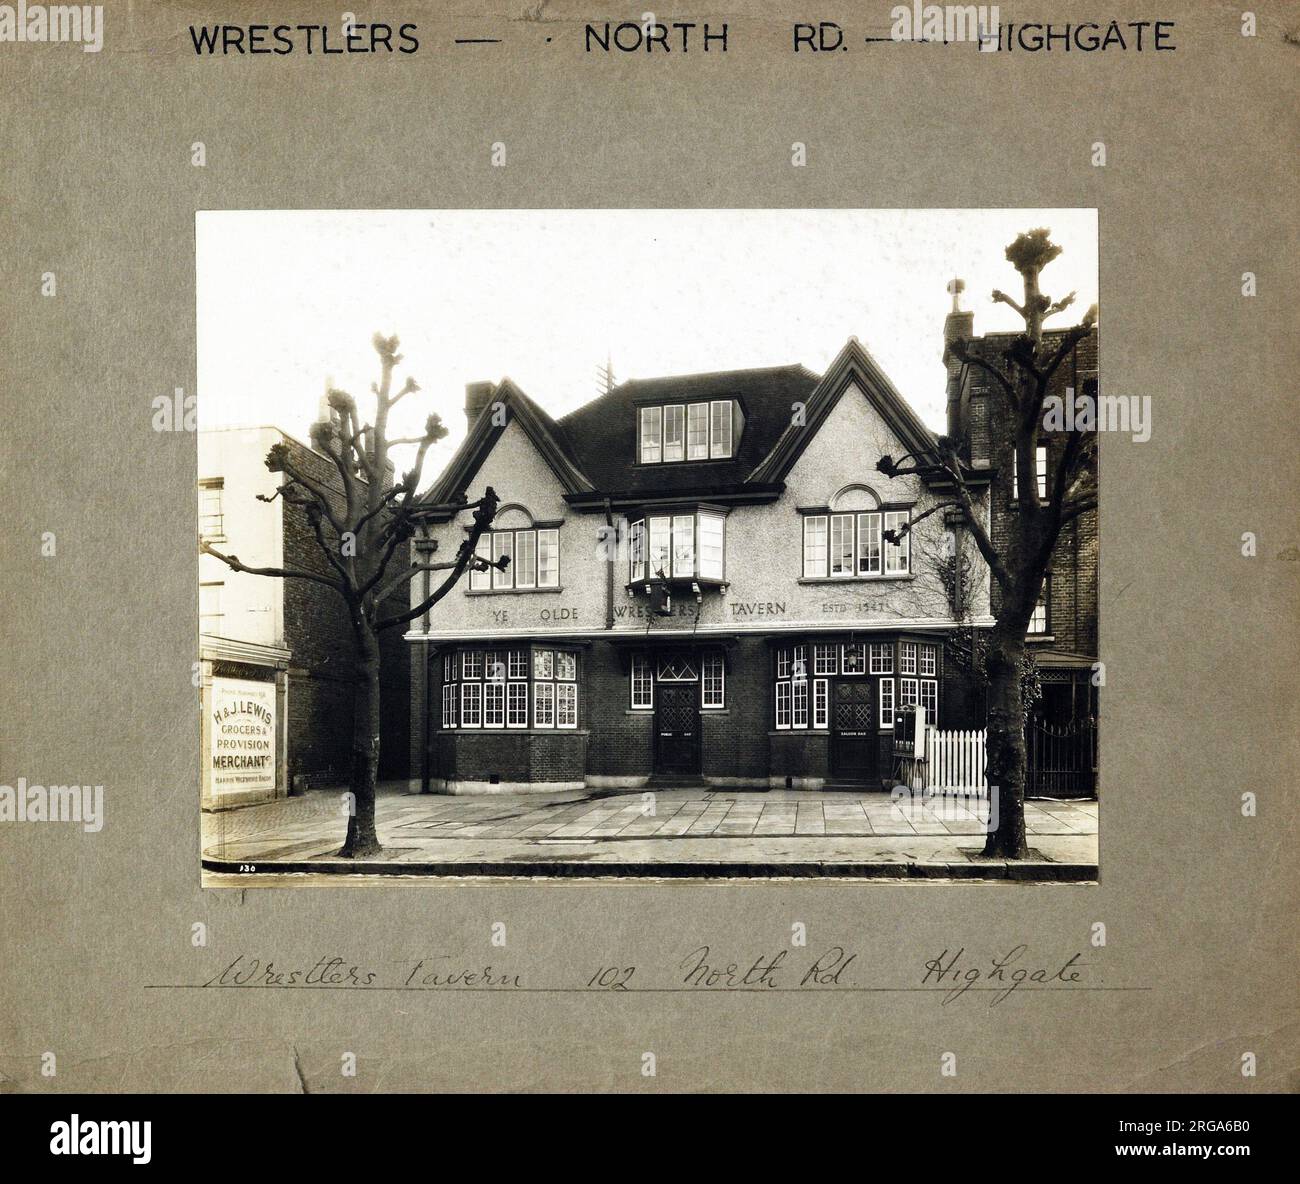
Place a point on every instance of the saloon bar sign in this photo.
(242, 731)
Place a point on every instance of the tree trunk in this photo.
(1007, 759)
(362, 840)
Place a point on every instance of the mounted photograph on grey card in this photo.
(649, 543)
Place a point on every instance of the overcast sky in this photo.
(288, 298)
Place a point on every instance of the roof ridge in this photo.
(716, 373)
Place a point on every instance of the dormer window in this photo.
(689, 431)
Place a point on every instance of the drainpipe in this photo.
(610, 554)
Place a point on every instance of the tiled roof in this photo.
(601, 435)
(593, 450)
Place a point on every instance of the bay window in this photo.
(853, 658)
(886, 703)
(566, 705)
(799, 698)
(923, 693)
(678, 546)
(711, 546)
(493, 689)
(684, 544)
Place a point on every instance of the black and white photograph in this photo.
(556, 550)
(650, 543)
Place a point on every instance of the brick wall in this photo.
(622, 740)
(735, 742)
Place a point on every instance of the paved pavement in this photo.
(694, 831)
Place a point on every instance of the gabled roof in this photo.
(602, 433)
(593, 450)
(485, 431)
(852, 365)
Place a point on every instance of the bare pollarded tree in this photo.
(359, 534)
(1019, 563)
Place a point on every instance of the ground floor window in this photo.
(713, 685)
(498, 688)
(886, 703)
(799, 699)
(920, 692)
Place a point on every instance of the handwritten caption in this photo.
(950, 974)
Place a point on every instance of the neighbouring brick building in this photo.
(1063, 633)
(699, 587)
(289, 634)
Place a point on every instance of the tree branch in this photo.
(284, 573)
(1072, 338)
(1002, 298)
(1077, 508)
(487, 508)
(962, 353)
(896, 536)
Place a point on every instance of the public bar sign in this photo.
(242, 735)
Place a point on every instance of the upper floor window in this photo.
(680, 546)
(688, 431)
(212, 527)
(210, 607)
(534, 560)
(1040, 464)
(845, 546)
(1038, 621)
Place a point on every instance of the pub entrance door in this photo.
(853, 731)
(677, 727)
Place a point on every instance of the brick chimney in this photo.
(477, 396)
(957, 325)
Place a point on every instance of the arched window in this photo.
(846, 541)
(532, 548)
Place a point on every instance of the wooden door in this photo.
(677, 728)
(853, 730)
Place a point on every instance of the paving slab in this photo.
(698, 832)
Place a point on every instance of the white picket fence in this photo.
(955, 762)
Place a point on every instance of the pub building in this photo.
(699, 589)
